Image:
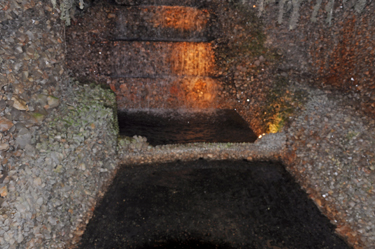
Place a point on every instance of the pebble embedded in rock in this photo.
(5, 124)
(82, 166)
(23, 138)
(53, 102)
(38, 181)
(41, 99)
(3, 191)
(4, 146)
(30, 150)
(37, 117)
(40, 201)
(19, 103)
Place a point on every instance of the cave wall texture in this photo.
(330, 47)
(56, 134)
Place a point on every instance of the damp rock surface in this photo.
(153, 56)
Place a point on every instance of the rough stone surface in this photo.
(49, 182)
(23, 138)
(300, 58)
(136, 150)
(330, 152)
(5, 124)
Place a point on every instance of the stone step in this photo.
(268, 148)
(162, 23)
(169, 92)
(171, 126)
(161, 59)
(160, 2)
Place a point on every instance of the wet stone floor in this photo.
(172, 127)
(208, 204)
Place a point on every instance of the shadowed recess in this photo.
(159, 2)
(172, 127)
(185, 244)
(220, 204)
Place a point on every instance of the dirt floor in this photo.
(215, 203)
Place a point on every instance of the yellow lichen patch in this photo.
(276, 125)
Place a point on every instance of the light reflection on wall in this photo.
(166, 74)
(193, 59)
(156, 59)
(182, 18)
(197, 60)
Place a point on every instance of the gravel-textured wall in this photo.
(330, 153)
(58, 138)
(31, 49)
(57, 180)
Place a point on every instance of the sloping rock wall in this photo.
(55, 135)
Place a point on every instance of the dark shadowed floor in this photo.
(208, 204)
(171, 127)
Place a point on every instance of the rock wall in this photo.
(58, 138)
(56, 182)
(330, 153)
(31, 69)
(330, 46)
(330, 139)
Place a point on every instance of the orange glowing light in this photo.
(193, 59)
(199, 92)
(190, 65)
(195, 62)
(183, 18)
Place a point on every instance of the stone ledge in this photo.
(269, 147)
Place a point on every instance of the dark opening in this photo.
(172, 127)
(208, 204)
(185, 244)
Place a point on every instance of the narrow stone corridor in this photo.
(59, 143)
(162, 59)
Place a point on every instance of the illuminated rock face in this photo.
(171, 92)
(161, 58)
(162, 23)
